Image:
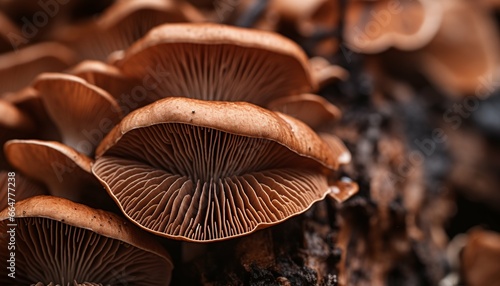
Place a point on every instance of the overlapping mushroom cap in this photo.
(205, 171)
(58, 241)
(217, 62)
(374, 26)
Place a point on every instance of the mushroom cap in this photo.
(111, 79)
(61, 241)
(122, 24)
(205, 171)
(375, 26)
(9, 33)
(20, 67)
(218, 62)
(23, 187)
(311, 109)
(65, 172)
(83, 112)
(465, 27)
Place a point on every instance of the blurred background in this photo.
(418, 85)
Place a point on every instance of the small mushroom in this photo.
(20, 67)
(205, 171)
(481, 258)
(65, 172)
(10, 35)
(375, 26)
(122, 24)
(218, 62)
(20, 189)
(59, 241)
(82, 112)
(466, 32)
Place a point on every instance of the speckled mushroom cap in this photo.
(218, 62)
(205, 171)
(59, 241)
(83, 112)
(375, 26)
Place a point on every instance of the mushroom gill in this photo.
(204, 171)
(59, 242)
(217, 62)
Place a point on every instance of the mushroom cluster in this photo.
(250, 142)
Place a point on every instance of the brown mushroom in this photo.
(205, 171)
(19, 188)
(481, 258)
(13, 123)
(375, 26)
(324, 73)
(65, 172)
(217, 62)
(20, 67)
(29, 102)
(59, 241)
(311, 109)
(466, 32)
(82, 112)
(128, 93)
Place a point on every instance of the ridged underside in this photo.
(202, 184)
(49, 251)
(217, 72)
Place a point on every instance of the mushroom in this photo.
(375, 26)
(205, 171)
(481, 258)
(20, 67)
(65, 172)
(128, 93)
(20, 188)
(308, 16)
(217, 62)
(82, 112)
(13, 123)
(311, 109)
(324, 73)
(122, 24)
(59, 241)
(465, 28)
